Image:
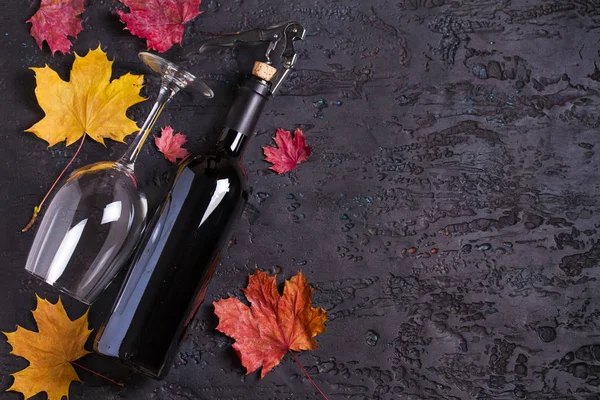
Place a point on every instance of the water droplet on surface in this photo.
(262, 196)
(412, 250)
(434, 251)
(480, 71)
(569, 357)
(508, 244)
(276, 269)
(371, 337)
(547, 334)
(520, 369)
(520, 393)
(579, 370)
(484, 247)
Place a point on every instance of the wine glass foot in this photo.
(171, 73)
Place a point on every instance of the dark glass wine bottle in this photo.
(181, 248)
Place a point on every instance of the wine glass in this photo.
(96, 218)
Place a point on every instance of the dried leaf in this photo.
(89, 103)
(171, 145)
(54, 21)
(160, 22)
(289, 152)
(273, 324)
(58, 341)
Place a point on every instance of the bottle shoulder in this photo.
(212, 162)
(211, 167)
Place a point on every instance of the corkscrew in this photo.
(281, 40)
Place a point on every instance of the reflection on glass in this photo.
(65, 251)
(220, 192)
(112, 212)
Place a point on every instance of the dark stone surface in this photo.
(449, 223)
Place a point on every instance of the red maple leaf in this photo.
(160, 22)
(170, 145)
(289, 152)
(273, 324)
(54, 21)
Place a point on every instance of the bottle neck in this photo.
(243, 115)
(233, 142)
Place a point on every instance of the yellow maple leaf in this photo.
(49, 351)
(89, 103)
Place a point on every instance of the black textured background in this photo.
(468, 127)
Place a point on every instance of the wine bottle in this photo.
(172, 266)
(182, 245)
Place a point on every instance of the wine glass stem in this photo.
(164, 95)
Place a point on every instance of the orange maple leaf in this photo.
(50, 351)
(273, 324)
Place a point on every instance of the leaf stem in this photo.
(307, 375)
(97, 374)
(37, 208)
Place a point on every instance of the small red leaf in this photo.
(170, 145)
(289, 151)
(159, 21)
(54, 21)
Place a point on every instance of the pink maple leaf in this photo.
(171, 145)
(289, 151)
(160, 22)
(54, 21)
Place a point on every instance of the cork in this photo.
(263, 70)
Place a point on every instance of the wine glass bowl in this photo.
(97, 217)
(89, 230)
